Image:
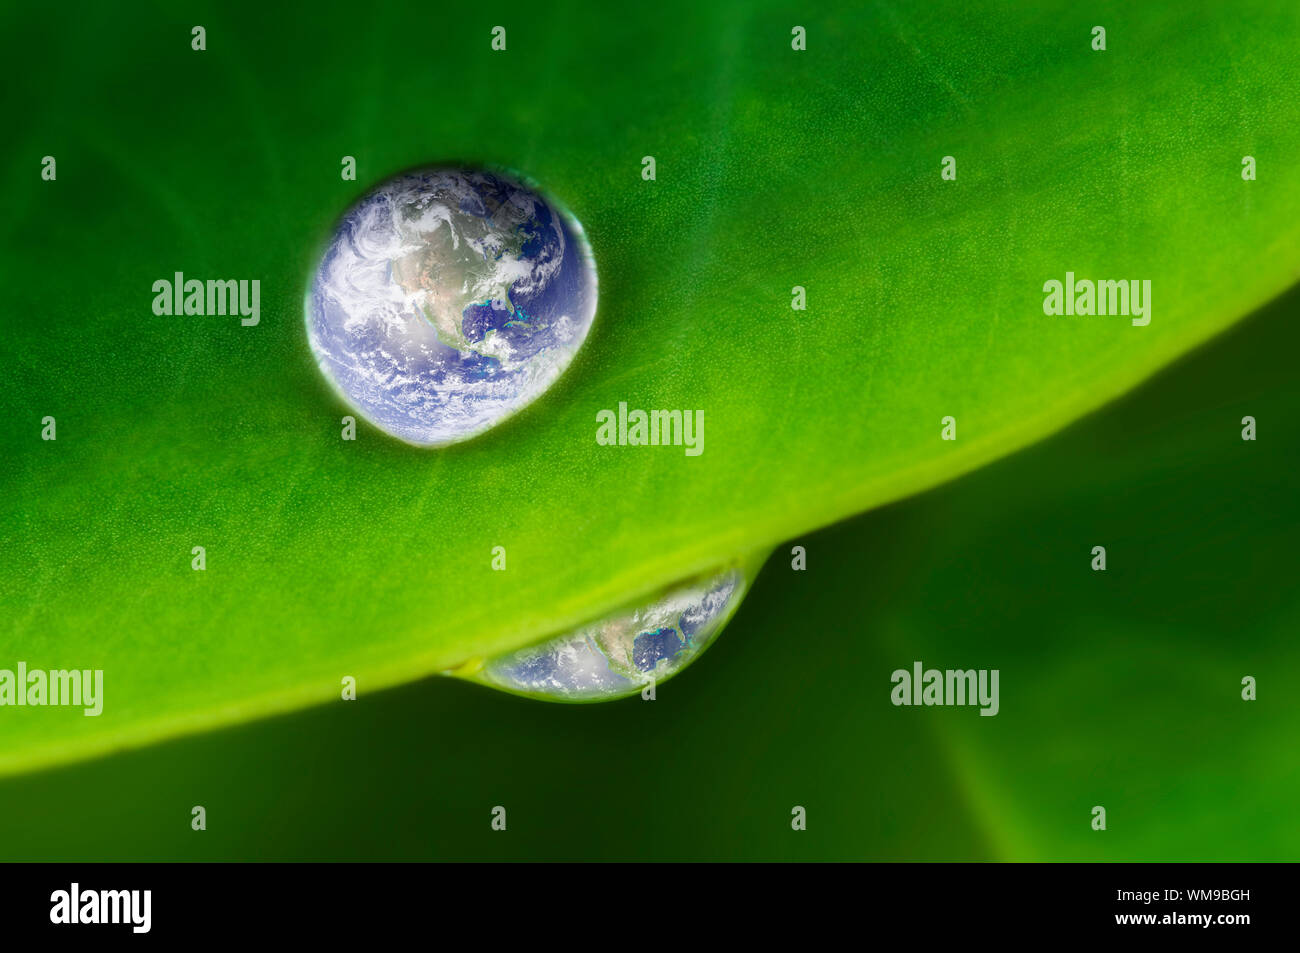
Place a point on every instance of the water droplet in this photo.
(448, 299)
(621, 653)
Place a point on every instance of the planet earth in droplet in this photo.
(622, 653)
(447, 300)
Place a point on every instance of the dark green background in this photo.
(1119, 688)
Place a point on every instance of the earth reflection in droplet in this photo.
(447, 300)
(624, 652)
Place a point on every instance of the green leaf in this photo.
(1118, 687)
(776, 168)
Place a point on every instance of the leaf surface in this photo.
(775, 168)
